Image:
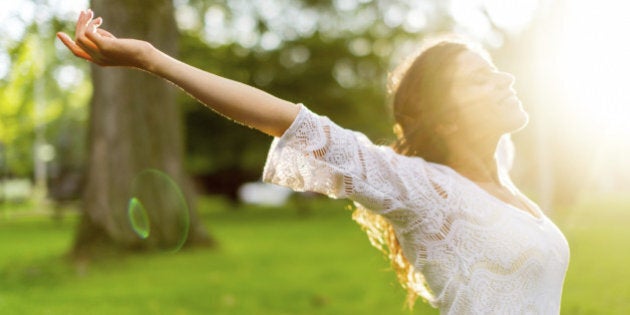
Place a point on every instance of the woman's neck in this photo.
(474, 160)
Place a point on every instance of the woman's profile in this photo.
(439, 202)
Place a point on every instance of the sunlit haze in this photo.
(596, 60)
(593, 63)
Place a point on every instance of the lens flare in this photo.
(158, 211)
(138, 218)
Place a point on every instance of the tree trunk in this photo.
(135, 125)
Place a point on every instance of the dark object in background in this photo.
(224, 182)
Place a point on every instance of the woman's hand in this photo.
(101, 47)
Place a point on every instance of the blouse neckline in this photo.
(538, 217)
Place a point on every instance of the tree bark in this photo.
(135, 125)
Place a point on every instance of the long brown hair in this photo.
(419, 88)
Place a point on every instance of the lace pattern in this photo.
(477, 254)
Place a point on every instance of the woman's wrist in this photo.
(148, 58)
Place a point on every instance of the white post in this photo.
(40, 191)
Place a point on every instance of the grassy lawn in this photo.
(598, 280)
(275, 261)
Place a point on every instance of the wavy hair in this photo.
(420, 102)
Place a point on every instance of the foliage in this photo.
(44, 90)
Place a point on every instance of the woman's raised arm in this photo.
(240, 102)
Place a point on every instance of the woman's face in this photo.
(484, 98)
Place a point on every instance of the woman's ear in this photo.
(398, 131)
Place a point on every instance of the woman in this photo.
(458, 232)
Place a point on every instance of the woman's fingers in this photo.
(98, 21)
(87, 46)
(82, 21)
(105, 33)
(77, 27)
(87, 42)
(92, 34)
(74, 48)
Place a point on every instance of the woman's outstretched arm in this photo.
(240, 102)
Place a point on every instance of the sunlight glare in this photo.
(512, 15)
(596, 64)
(593, 62)
(477, 17)
(68, 76)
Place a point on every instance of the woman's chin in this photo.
(519, 121)
(514, 119)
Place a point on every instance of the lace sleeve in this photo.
(315, 154)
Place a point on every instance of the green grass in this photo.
(598, 279)
(270, 261)
(275, 261)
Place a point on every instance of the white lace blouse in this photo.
(476, 253)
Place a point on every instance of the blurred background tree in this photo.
(135, 125)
